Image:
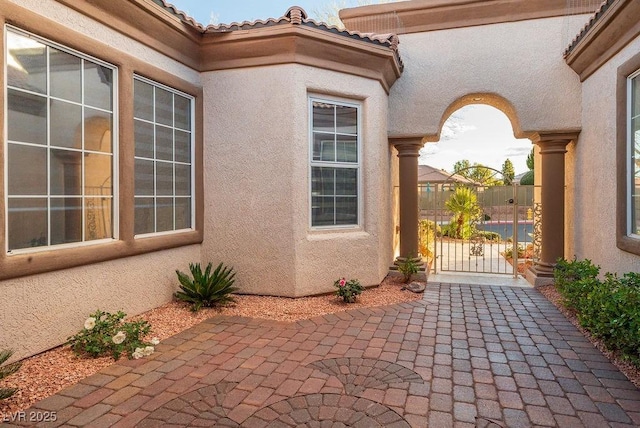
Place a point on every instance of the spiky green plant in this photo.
(463, 203)
(205, 288)
(7, 370)
(408, 267)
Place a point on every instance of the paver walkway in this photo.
(465, 356)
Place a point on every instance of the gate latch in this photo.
(510, 201)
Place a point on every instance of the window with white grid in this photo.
(59, 152)
(163, 158)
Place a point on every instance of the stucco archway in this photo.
(552, 147)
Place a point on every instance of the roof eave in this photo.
(604, 37)
(290, 43)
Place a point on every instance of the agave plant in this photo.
(5, 371)
(205, 288)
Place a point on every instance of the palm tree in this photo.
(463, 203)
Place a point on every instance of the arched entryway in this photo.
(551, 147)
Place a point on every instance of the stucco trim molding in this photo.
(623, 241)
(285, 44)
(618, 26)
(160, 30)
(430, 15)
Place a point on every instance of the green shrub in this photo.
(206, 289)
(574, 280)
(408, 267)
(508, 252)
(106, 334)
(7, 370)
(489, 236)
(527, 179)
(609, 309)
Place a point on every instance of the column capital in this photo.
(554, 141)
(407, 145)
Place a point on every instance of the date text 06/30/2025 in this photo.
(30, 416)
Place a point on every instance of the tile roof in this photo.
(592, 22)
(428, 173)
(295, 15)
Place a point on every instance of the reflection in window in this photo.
(163, 165)
(634, 150)
(59, 151)
(334, 164)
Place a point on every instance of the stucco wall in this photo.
(593, 231)
(519, 61)
(257, 181)
(41, 311)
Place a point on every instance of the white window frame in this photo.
(115, 206)
(348, 165)
(631, 155)
(192, 164)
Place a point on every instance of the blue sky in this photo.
(228, 11)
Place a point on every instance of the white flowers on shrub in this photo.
(143, 352)
(90, 323)
(119, 337)
(155, 341)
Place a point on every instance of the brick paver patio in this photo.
(464, 356)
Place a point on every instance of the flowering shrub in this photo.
(348, 290)
(106, 334)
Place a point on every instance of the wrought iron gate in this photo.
(480, 229)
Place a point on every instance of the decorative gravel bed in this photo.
(47, 373)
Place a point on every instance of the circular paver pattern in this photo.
(326, 410)
(200, 408)
(358, 374)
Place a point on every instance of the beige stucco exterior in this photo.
(593, 172)
(519, 62)
(257, 179)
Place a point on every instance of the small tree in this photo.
(463, 203)
(508, 173)
(528, 178)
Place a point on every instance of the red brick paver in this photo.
(464, 356)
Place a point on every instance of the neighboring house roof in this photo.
(592, 22)
(427, 173)
(295, 15)
(518, 177)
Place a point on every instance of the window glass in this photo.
(334, 164)
(635, 156)
(26, 63)
(65, 76)
(59, 154)
(163, 166)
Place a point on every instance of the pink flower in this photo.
(343, 282)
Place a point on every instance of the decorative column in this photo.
(408, 151)
(553, 146)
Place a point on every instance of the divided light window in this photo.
(634, 154)
(163, 158)
(335, 163)
(60, 144)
